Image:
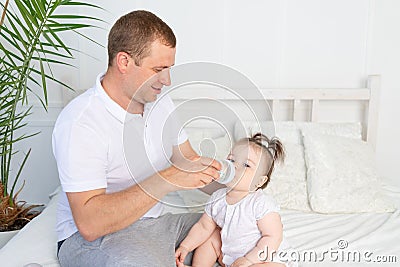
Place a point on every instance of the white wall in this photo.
(384, 58)
(285, 43)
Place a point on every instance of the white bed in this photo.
(335, 235)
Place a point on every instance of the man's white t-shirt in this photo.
(97, 144)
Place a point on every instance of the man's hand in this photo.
(191, 172)
(241, 262)
(180, 256)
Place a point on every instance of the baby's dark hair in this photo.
(273, 147)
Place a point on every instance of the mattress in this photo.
(376, 234)
(356, 239)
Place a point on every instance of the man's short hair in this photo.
(134, 32)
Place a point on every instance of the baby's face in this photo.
(249, 166)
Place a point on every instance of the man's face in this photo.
(153, 73)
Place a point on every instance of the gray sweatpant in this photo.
(149, 242)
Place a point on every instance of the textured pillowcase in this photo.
(351, 130)
(341, 175)
(288, 181)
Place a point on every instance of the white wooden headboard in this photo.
(368, 95)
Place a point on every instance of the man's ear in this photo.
(122, 60)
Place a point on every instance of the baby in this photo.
(240, 220)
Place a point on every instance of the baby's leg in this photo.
(208, 252)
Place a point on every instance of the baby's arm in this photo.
(271, 230)
(199, 233)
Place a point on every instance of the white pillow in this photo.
(351, 130)
(288, 181)
(36, 242)
(208, 146)
(290, 131)
(204, 132)
(294, 166)
(289, 194)
(341, 175)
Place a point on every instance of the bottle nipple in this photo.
(227, 172)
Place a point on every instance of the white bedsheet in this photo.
(373, 232)
(376, 233)
(368, 232)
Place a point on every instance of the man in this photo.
(109, 214)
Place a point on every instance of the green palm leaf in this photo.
(30, 45)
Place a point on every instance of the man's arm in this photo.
(97, 213)
(184, 151)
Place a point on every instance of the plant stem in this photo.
(4, 13)
(21, 85)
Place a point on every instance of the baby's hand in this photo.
(241, 262)
(180, 255)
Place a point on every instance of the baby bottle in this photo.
(227, 172)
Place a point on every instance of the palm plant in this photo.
(30, 46)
